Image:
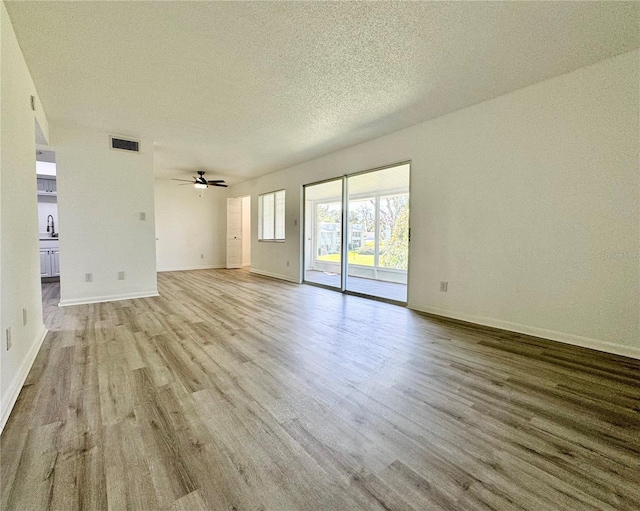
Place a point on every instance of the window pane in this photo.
(271, 220)
(267, 216)
(328, 235)
(279, 215)
(260, 209)
(394, 231)
(362, 229)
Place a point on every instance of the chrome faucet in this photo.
(51, 226)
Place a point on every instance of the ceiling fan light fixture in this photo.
(201, 183)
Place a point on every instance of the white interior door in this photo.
(234, 233)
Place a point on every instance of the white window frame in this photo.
(277, 216)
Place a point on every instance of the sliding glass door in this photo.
(323, 233)
(357, 233)
(378, 220)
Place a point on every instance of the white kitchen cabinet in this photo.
(47, 186)
(55, 262)
(49, 258)
(45, 263)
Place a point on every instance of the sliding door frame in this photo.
(305, 234)
(344, 235)
(344, 266)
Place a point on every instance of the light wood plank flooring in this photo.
(237, 392)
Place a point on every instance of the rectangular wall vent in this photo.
(125, 145)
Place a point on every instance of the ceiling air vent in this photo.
(125, 145)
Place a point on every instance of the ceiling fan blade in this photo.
(186, 184)
(219, 184)
(214, 181)
(185, 180)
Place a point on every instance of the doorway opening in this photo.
(48, 226)
(357, 233)
(48, 215)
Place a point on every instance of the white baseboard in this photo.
(274, 275)
(576, 340)
(188, 268)
(18, 381)
(110, 298)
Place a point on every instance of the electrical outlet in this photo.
(88, 277)
(24, 317)
(143, 216)
(120, 275)
(9, 338)
(287, 263)
(444, 286)
(201, 256)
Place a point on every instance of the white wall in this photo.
(101, 193)
(19, 259)
(190, 230)
(516, 202)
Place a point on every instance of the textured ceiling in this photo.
(241, 89)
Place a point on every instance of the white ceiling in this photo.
(241, 89)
